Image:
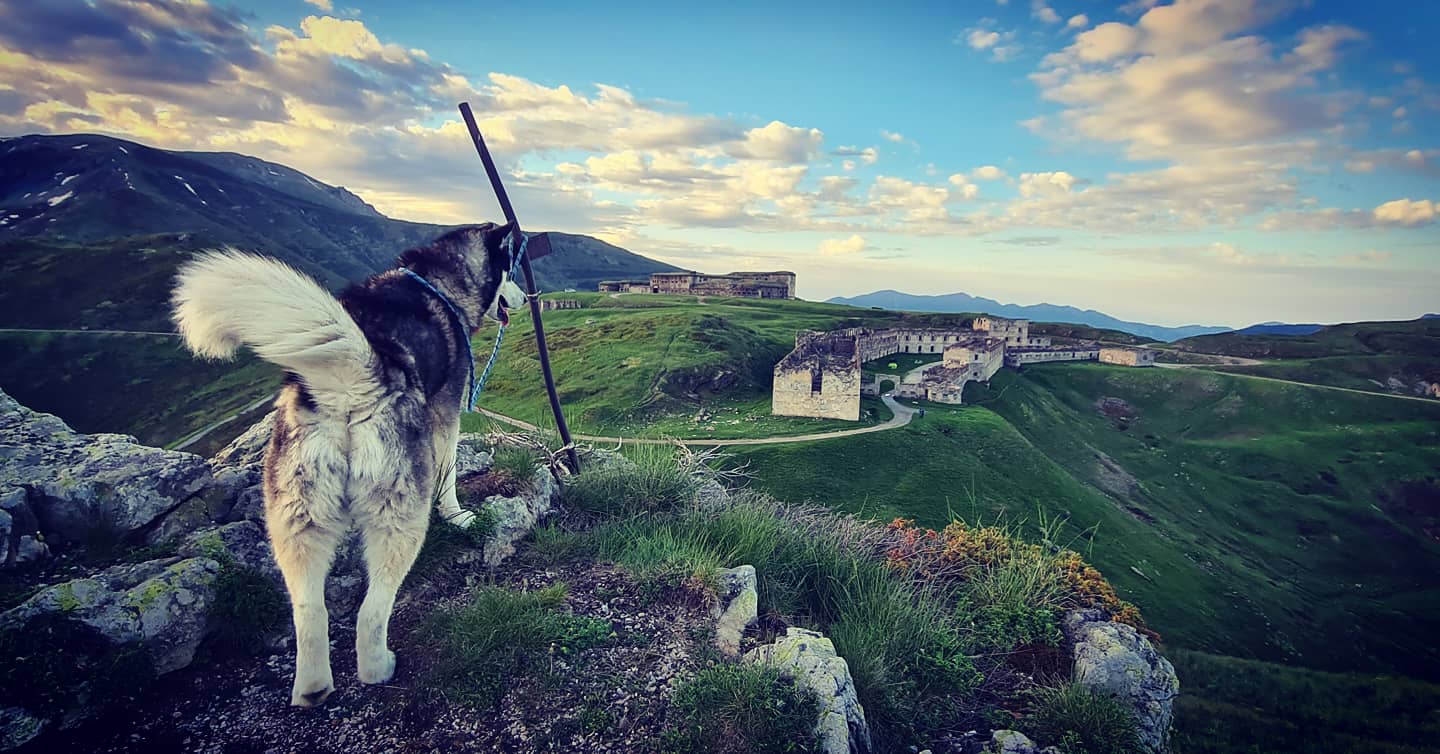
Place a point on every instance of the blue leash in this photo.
(476, 386)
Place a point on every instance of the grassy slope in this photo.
(968, 462)
(1394, 356)
(147, 386)
(1233, 706)
(646, 364)
(1277, 492)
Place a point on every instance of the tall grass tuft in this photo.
(742, 709)
(500, 633)
(646, 479)
(1080, 721)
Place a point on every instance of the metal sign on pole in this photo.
(538, 246)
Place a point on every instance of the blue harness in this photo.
(476, 386)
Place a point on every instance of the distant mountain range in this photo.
(1280, 328)
(88, 212)
(962, 302)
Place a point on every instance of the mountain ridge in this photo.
(963, 302)
(81, 206)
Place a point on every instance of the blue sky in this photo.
(1211, 161)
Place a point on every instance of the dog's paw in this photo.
(377, 669)
(311, 694)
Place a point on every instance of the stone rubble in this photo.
(810, 659)
(737, 607)
(1114, 658)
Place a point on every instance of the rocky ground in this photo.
(609, 698)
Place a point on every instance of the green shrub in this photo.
(516, 463)
(742, 709)
(248, 609)
(501, 633)
(659, 552)
(1080, 721)
(444, 540)
(648, 479)
(248, 606)
(552, 543)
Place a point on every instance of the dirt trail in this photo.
(902, 417)
(1375, 393)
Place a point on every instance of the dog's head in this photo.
(472, 265)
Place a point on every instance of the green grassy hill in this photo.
(143, 385)
(1297, 503)
(1397, 357)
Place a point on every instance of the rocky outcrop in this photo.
(1015, 742)
(1115, 659)
(810, 659)
(515, 516)
(56, 484)
(75, 483)
(159, 606)
(736, 608)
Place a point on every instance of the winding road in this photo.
(902, 417)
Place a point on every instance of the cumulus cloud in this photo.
(1000, 44)
(898, 138)
(964, 189)
(1040, 10)
(842, 247)
(1078, 21)
(325, 5)
(1188, 75)
(1041, 184)
(987, 173)
(780, 141)
(1407, 212)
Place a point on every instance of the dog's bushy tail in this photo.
(226, 298)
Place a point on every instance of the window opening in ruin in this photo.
(816, 378)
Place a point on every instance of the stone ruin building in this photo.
(776, 285)
(821, 378)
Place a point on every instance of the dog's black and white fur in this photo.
(367, 421)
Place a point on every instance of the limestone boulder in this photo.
(1010, 742)
(18, 727)
(737, 607)
(160, 606)
(1115, 659)
(514, 516)
(810, 659)
(74, 480)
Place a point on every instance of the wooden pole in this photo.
(505, 207)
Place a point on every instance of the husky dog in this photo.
(368, 419)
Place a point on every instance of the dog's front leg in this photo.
(449, 501)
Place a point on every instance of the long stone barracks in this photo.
(739, 284)
(822, 378)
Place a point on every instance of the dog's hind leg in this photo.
(304, 553)
(445, 441)
(392, 535)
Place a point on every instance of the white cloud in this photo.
(781, 142)
(987, 173)
(1078, 21)
(982, 39)
(1041, 184)
(964, 189)
(1043, 12)
(325, 5)
(893, 136)
(1407, 212)
(842, 247)
(1000, 44)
